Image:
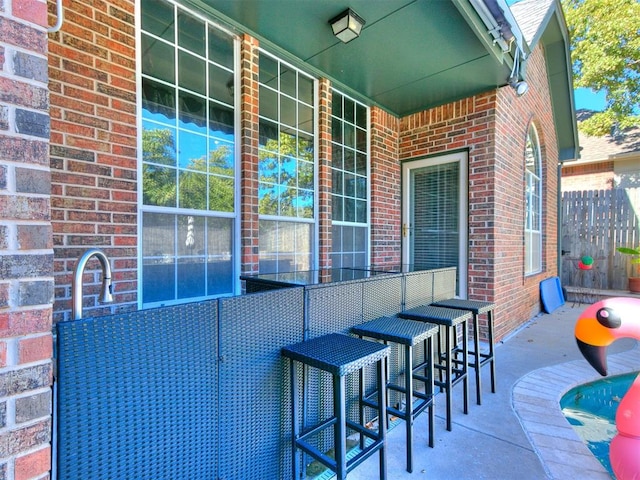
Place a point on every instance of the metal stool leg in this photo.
(382, 420)
(408, 381)
(477, 358)
(449, 372)
(340, 427)
(297, 474)
(491, 346)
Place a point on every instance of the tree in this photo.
(605, 52)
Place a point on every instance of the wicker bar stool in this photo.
(454, 369)
(340, 355)
(480, 358)
(406, 333)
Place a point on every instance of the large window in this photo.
(349, 167)
(286, 167)
(533, 205)
(188, 156)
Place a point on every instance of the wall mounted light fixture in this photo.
(347, 25)
(520, 86)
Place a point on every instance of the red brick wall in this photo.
(249, 228)
(492, 127)
(324, 173)
(517, 294)
(26, 255)
(590, 176)
(385, 189)
(93, 149)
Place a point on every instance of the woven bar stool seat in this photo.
(453, 369)
(340, 355)
(407, 334)
(479, 358)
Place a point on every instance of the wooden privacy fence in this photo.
(594, 223)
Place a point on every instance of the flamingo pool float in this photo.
(597, 328)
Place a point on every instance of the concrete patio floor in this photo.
(519, 432)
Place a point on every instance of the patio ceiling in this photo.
(411, 54)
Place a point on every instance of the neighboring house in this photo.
(610, 161)
(195, 141)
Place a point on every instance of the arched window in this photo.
(533, 205)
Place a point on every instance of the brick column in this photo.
(26, 255)
(249, 220)
(324, 174)
(385, 189)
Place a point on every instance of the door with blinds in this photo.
(435, 200)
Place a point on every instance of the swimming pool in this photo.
(591, 409)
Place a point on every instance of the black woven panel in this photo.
(255, 403)
(418, 288)
(381, 296)
(444, 283)
(137, 395)
(334, 308)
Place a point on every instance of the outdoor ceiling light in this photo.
(520, 86)
(347, 25)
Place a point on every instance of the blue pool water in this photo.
(591, 410)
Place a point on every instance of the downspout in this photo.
(60, 15)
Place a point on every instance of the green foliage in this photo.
(605, 51)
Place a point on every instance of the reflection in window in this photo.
(349, 174)
(188, 155)
(286, 167)
(533, 204)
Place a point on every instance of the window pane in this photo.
(193, 112)
(192, 73)
(268, 136)
(268, 103)
(159, 144)
(220, 48)
(221, 86)
(305, 89)
(287, 111)
(288, 82)
(157, 18)
(191, 33)
(158, 102)
(158, 59)
(159, 186)
(192, 150)
(221, 194)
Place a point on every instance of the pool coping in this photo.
(535, 398)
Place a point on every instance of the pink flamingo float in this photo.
(597, 328)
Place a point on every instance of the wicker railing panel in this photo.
(255, 398)
(137, 395)
(418, 288)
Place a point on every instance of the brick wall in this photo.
(93, 150)
(385, 189)
(26, 256)
(514, 116)
(590, 176)
(493, 127)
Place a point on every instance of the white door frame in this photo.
(463, 226)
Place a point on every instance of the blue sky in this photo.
(586, 98)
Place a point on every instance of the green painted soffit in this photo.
(411, 54)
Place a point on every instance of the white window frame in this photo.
(532, 222)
